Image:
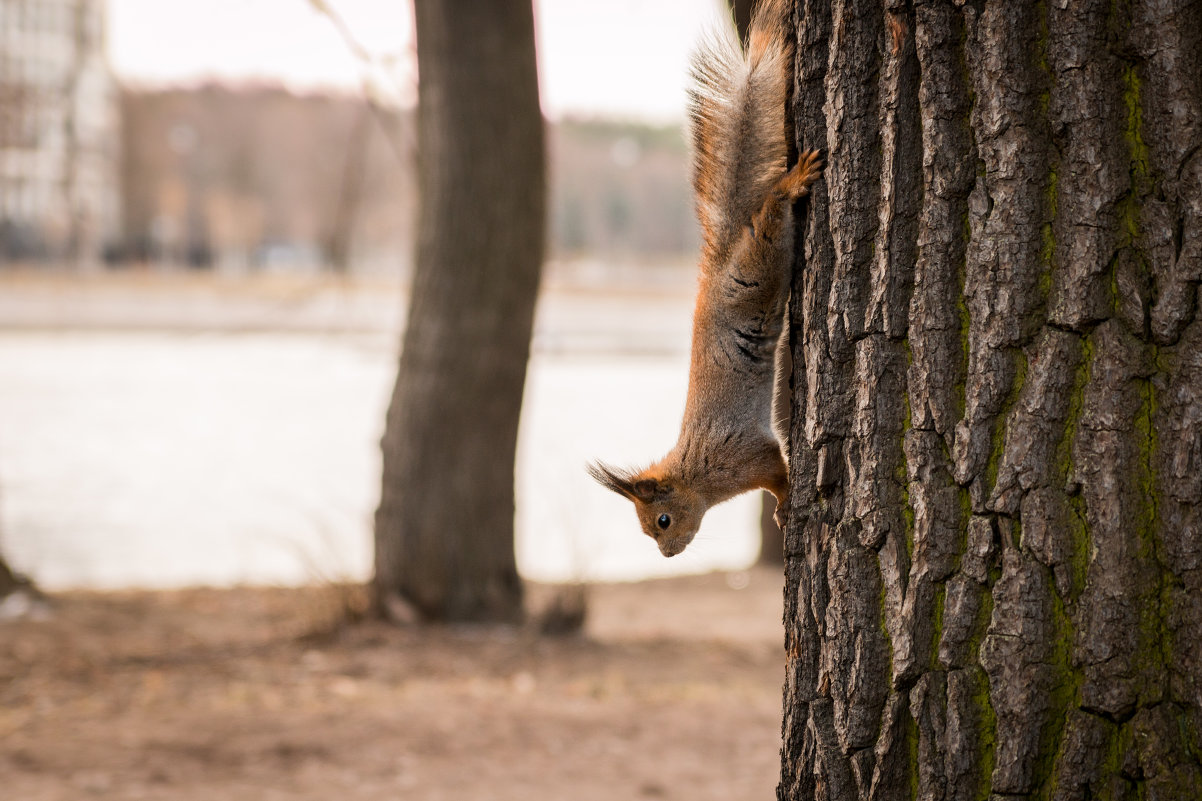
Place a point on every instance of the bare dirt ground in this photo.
(672, 691)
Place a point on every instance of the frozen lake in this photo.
(154, 458)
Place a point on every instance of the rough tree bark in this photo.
(444, 527)
(993, 559)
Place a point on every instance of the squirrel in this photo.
(744, 199)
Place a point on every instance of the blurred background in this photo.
(206, 225)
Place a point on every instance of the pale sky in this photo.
(617, 58)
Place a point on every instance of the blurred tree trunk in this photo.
(82, 245)
(740, 11)
(350, 192)
(994, 554)
(8, 581)
(772, 539)
(444, 527)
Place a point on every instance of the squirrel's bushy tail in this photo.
(737, 120)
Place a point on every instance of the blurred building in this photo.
(257, 177)
(58, 131)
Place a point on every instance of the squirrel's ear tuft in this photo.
(644, 489)
(629, 483)
(649, 489)
(617, 480)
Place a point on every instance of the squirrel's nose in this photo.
(671, 547)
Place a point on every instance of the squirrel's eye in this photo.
(664, 521)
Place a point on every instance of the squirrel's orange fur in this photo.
(745, 198)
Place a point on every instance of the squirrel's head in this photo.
(669, 513)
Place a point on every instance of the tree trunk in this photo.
(993, 559)
(444, 527)
(81, 245)
(8, 580)
(350, 192)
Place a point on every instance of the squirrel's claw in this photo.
(781, 515)
(796, 182)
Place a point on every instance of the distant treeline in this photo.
(255, 177)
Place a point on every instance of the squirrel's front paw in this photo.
(796, 182)
(781, 515)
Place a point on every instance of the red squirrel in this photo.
(745, 197)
